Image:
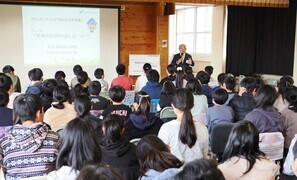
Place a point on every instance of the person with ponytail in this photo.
(142, 122)
(117, 151)
(155, 159)
(289, 114)
(187, 139)
(61, 111)
(180, 82)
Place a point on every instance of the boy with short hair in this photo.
(117, 95)
(98, 102)
(9, 71)
(6, 113)
(219, 113)
(36, 77)
(243, 102)
(29, 149)
(99, 74)
(153, 87)
(60, 78)
(229, 85)
(204, 78)
(7, 84)
(122, 80)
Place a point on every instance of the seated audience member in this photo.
(36, 77)
(76, 69)
(200, 169)
(117, 151)
(188, 73)
(60, 78)
(99, 74)
(6, 84)
(9, 71)
(203, 77)
(142, 122)
(180, 82)
(219, 113)
(200, 100)
(122, 80)
(265, 117)
(47, 89)
(78, 149)
(117, 95)
(280, 103)
(75, 91)
(212, 82)
(98, 102)
(259, 82)
(82, 106)
(289, 114)
(61, 111)
(229, 85)
(156, 161)
(6, 113)
(167, 92)
(141, 80)
(243, 102)
(242, 156)
(82, 78)
(153, 87)
(221, 77)
(28, 149)
(98, 172)
(187, 139)
(170, 71)
(290, 164)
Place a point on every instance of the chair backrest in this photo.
(167, 112)
(154, 103)
(129, 98)
(104, 94)
(135, 141)
(219, 137)
(272, 144)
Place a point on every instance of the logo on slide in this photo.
(92, 24)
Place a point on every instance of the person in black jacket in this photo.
(142, 122)
(117, 151)
(243, 102)
(182, 58)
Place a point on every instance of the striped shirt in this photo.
(28, 151)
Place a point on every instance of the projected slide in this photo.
(61, 36)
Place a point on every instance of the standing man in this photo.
(182, 58)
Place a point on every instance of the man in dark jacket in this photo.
(243, 102)
(182, 58)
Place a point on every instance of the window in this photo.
(193, 27)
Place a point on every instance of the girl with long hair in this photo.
(155, 159)
(242, 158)
(187, 139)
(78, 149)
(61, 111)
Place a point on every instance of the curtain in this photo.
(261, 40)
